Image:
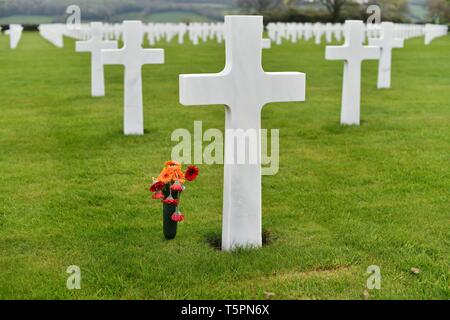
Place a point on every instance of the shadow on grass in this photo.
(214, 239)
(340, 129)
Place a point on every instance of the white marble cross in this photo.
(386, 42)
(353, 52)
(15, 33)
(329, 32)
(433, 31)
(318, 31)
(95, 46)
(244, 87)
(133, 57)
(53, 33)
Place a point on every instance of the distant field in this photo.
(172, 16)
(24, 19)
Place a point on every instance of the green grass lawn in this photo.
(73, 189)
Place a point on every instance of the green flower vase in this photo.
(169, 226)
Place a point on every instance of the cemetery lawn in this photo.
(73, 189)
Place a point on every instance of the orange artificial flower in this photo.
(164, 176)
(173, 163)
(171, 173)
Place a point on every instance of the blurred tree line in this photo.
(439, 11)
(108, 10)
(339, 10)
(273, 10)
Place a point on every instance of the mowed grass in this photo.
(73, 189)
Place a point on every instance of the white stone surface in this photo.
(433, 31)
(15, 34)
(95, 45)
(329, 29)
(386, 42)
(353, 52)
(133, 57)
(266, 43)
(53, 33)
(244, 87)
(318, 32)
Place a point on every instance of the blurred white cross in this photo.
(353, 52)
(95, 46)
(386, 42)
(133, 57)
(15, 33)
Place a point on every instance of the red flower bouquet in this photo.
(168, 188)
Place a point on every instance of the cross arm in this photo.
(371, 53)
(203, 89)
(110, 45)
(285, 87)
(394, 43)
(82, 46)
(336, 53)
(153, 56)
(112, 56)
(398, 43)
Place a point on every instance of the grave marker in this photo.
(386, 43)
(353, 52)
(133, 57)
(244, 87)
(95, 46)
(15, 33)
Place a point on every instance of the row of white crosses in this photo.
(279, 32)
(15, 34)
(157, 31)
(55, 32)
(154, 32)
(434, 31)
(132, 56)
(244, 88)
(197, 33)
(354, 52)
(104, 52)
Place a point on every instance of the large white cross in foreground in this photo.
(95, 46)
(387, 42)
(353, 52)
(133, 57)
(244, 88)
